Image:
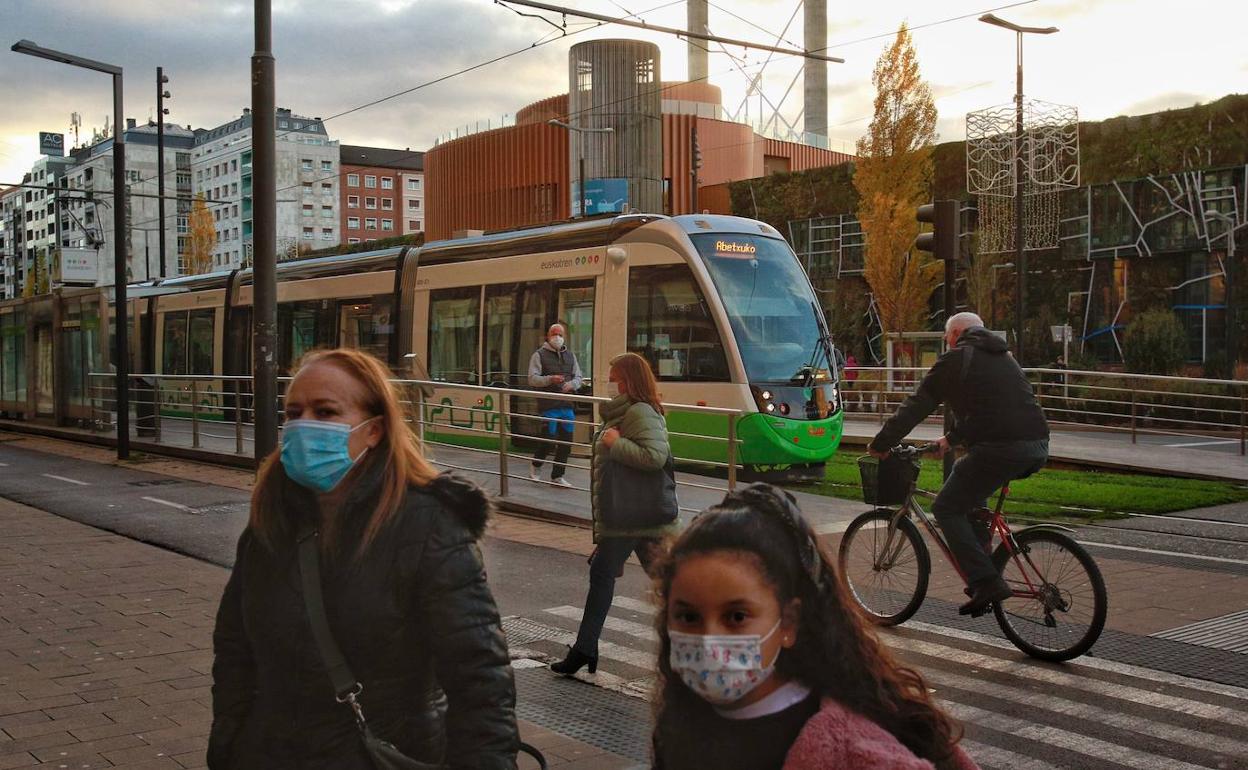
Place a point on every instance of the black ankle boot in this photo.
(571, 664)
(984, 595)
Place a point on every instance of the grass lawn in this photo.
(1078, 495)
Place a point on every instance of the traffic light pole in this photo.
(695, 158)
(942, 243)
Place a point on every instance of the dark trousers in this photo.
(986, 468)
(561, 441)
(606, 566)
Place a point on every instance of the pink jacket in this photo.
(839, 739)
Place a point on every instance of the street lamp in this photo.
(1020, 257)
(580, 145)
(120, 257)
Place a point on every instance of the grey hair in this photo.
(962, 321)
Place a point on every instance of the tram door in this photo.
(43, 359)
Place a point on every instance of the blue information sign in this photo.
(602, 196)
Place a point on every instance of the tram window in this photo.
(670, 325)
(368, 325)
(201, 333)
(75, 358)
(576, 312)
(13, 356)
(500, 334)
(173, 360)
(454, 325)
(304, 326)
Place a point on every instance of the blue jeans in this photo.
(607, 565)
(986, 468)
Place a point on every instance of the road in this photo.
(1139, 701)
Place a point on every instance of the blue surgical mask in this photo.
(315, 453)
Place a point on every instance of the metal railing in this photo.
(214, 414)
(1111, 402)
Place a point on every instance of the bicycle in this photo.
(1059, 604)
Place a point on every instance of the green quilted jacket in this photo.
(642, 444)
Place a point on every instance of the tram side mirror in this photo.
(617, 254)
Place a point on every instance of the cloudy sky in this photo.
(1111, 57)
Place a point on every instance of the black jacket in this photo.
(992, 400)
(418, 627)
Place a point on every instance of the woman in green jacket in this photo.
(634, 433)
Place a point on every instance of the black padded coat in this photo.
(414, 619)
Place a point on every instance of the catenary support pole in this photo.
(160, 167)
(264, 232)
(121, 259)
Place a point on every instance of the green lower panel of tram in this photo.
(763, 442)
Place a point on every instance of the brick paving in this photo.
(106, 653)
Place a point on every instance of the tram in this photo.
(719, 306)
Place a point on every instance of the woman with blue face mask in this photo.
(403, 587)
(765, 663)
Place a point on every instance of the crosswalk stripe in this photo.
(995, 757)
(638, 630)
(1073, 681)
(1065, 739)
(1101, 664)
(636, 605)
(1093, 715)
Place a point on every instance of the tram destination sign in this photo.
(76, 266)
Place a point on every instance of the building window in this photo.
(327, 233)
(353, 223)
(413, 185)
(353, 180)
(370, 203)
(327, 188)
(413, 224)
(327, 211)
(307, 233)
(234, 188)
(413, 204)
(306, 164)
(387, 183)
(234, 165)
(283, 124)
(370, 224)
(387, 224)
(387, 204)
(353, 241)
(307, 209)
(370, 180)
(327, 165)
(307, 188)
(353, 201)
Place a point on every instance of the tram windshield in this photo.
(770, 305)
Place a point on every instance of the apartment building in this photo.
(382, 192)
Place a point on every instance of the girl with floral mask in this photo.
(765, 662)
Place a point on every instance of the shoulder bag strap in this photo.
(345, 683)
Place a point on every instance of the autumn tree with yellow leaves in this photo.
(203, 238)
(893, 177)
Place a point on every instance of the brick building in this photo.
(383, 192)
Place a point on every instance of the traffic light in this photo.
(942, 241)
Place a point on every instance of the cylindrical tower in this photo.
(697, 17)
(816, 70)
(615, 84)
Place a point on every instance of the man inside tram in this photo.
(554, 369)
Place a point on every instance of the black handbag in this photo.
(346, 687)
(633, 498)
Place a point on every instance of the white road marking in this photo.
(832, 527)
(1100, 664)
(179, 506)
(1204, 443)
(4, 465)
(1176, 554)
(1065, 739)
(636, 605)
(1072, 681)
(65, 479)
(639, 630)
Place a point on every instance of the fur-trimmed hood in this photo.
(467, 500)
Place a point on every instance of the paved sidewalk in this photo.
(105, 653)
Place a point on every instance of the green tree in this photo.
(1155, 343)
(893, 176)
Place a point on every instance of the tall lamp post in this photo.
(1020, 169)
(581, 154)
(120, 255)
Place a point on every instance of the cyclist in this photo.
(997, 418)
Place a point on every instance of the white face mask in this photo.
(721, 669)
(557, 341)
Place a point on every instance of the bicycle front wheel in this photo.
(886, 571)
(1059, 604)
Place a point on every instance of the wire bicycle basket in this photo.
(887, 481)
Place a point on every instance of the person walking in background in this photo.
(404, 595)
(765, 663)
(633, 434)
(554, 369)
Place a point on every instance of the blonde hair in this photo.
(399, 452)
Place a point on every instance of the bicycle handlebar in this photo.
(902, 450)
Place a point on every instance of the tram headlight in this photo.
(762, 398)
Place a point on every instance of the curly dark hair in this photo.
(837, 653)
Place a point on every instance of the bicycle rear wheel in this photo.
(886, 575)
(1059, 604)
